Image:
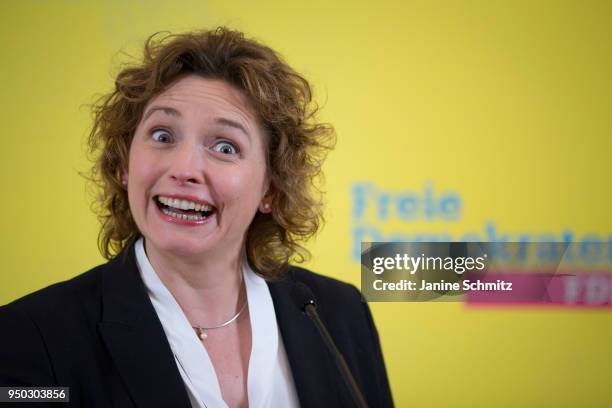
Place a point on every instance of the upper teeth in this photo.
(183, 204)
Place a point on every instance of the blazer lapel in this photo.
(135, 337)
(311, 364)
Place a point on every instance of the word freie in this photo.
(405, 205)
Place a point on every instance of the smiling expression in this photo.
(197, 169)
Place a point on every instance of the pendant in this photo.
(203, 334)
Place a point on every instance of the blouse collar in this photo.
(192, 358)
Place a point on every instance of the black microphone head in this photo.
(302, 296)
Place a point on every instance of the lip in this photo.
(188, 223)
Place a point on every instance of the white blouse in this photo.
(269, 383)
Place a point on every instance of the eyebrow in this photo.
(234, 124)
(167, 110)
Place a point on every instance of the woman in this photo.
(206, 156)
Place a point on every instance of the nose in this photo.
(186, 166)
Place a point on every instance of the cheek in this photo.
(244, 187)
(142, 173)
(232, 187)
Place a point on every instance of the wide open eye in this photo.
(225, 148)
(161, 135)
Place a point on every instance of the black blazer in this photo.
(99, 334)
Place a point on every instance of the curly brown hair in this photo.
(296, 143)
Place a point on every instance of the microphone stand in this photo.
(310, 309)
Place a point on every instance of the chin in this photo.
(182, 250)
(175, 244)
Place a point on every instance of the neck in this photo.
(208, 289)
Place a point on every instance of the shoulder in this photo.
(30, 325)
(59, 298)
(338, 303)
(326, 289)
(63, 301)
(83, 290)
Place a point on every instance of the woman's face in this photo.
(197, 169)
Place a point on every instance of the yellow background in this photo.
(506, 102)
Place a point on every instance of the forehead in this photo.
(205, 97)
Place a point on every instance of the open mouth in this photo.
(184, 209)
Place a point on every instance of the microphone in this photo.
(305, 301)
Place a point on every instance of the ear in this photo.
(124, 178)
(265, 206)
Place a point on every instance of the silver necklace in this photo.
(202, 330)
